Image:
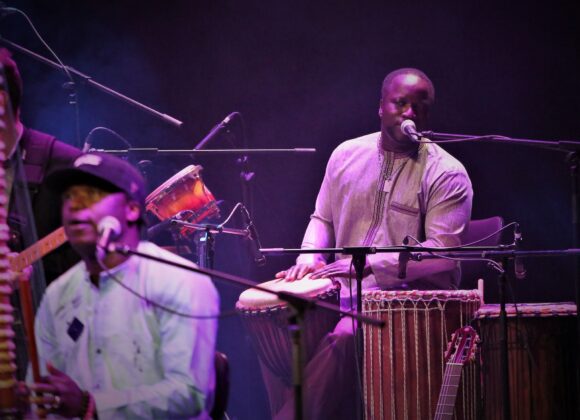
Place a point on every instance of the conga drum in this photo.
(542, 357)
(265, 317)
(183, 191)
(404, 362)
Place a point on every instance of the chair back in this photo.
(222, 386)
(471, 271)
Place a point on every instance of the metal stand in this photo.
(359, 258)
(91, 82)
(504, 359)
(300, 305)
(205, 242)
(295, 327)
(572, 148)
(573, 162)
(504, 255)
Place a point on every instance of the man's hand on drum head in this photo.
(339, 268)
(298, 271)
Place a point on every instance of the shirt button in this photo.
(98, 351)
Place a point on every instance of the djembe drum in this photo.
(542, 358)
(404, 362)
(183, 191)
(266, 320)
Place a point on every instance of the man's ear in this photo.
(132, 211)
(381, 108)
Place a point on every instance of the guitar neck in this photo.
(448, 394)
(35, 252)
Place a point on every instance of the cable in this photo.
(237, 206)
(107, 130)
(70, 85)
(158, 305)
(489, 261)
(446, 248)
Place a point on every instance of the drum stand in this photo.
(503, 343)
(205, 245)
(359, 257)
(205, 239)
(295, 327)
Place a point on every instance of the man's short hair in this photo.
(407, 70)
(13, 80)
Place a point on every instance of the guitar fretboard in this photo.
(448, 394)
(35, 252)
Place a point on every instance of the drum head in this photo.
(306, 287)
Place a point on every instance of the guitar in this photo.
(460, 351)
(35, 252)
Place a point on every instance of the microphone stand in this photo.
(572, 148)
(359, 255)
(91, 82)
(504, 255)
(148, 152)
(359, 258)
(298, 303)
(206, 242)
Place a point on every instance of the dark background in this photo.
(308, 74)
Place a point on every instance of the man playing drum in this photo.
(378, 189)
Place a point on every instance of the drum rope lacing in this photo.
(421, 302)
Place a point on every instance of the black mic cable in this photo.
(519, 269)
(253, 237)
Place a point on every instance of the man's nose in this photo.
(409, 113)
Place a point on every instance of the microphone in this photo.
(216, 130)
(255, 246)
(108, 229)
(88, 143)
(409, 129)
(519, 269)
(404, 258)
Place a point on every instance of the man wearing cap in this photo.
(122, 337)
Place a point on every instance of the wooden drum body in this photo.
(266, 320)
(404, 362)
(183, 191)
(542, 358)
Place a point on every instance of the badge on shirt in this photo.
(75, 329)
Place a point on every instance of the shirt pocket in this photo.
(403, 220)
(402, 208)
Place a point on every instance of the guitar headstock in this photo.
(461, 348)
